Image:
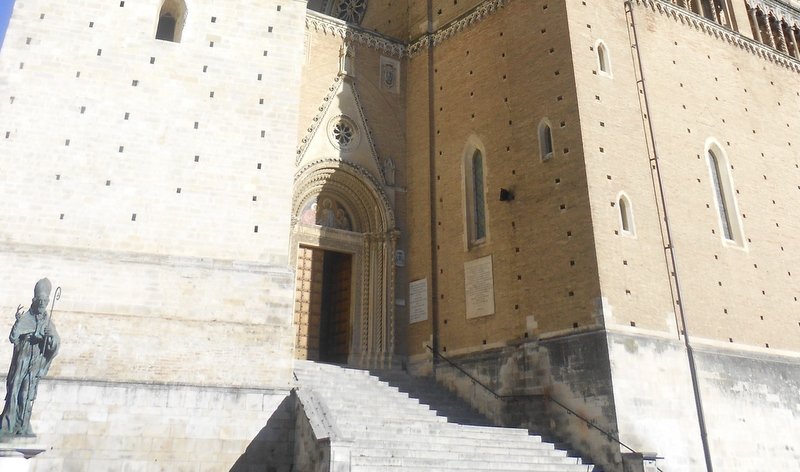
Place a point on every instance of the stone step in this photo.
(492, 468)
(390, 426)
(428, 440)
(460, 451)
(460, 444)
(471, 464)
(440, 430)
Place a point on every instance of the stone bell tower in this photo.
(148, 149)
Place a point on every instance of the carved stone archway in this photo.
(370, 237)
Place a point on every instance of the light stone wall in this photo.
(699, 86)
(151, 180)
(632, 270)
(751, 106)
(96, 426)
(212, 216)
(749, 400)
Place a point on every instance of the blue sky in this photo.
(5, 12)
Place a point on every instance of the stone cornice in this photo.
(478, 13)
(713, 29)
(326, 25)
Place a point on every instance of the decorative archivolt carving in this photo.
(355, 186)
(713, 29)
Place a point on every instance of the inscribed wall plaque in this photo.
(479, 287)
(418, 305)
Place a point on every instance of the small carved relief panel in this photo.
(390, 74)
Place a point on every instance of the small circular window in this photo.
(343, 133)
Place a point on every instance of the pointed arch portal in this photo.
(344, 240)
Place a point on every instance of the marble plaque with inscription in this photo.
(418, 303)
(479, 287)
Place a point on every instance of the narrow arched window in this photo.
(545, 140)
(478, 200)
(722, 204)
(722, 190)
(603, 59)
(625, 215)
(166, 27)
(171, 19)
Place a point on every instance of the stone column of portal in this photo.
(379, 310)
(366, 297)
(393, 236)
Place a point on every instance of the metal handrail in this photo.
(548, 396)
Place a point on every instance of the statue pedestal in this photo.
(15, 452)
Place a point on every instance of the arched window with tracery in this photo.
(475, 194)
(171, 18)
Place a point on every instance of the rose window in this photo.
(351, 11)
(343, 133)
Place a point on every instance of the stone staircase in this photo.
(370, 426)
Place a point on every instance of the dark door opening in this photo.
(322, 305)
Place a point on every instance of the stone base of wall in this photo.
(103, 426)
(573, 370)
(750, 401)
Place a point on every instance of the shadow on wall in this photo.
(273, 447)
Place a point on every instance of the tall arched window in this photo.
(475, 194)
(478, 200)
(722, 189)
(171, 19)
(603, 59)
(545, 140)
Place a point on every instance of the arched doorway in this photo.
(343, 239)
